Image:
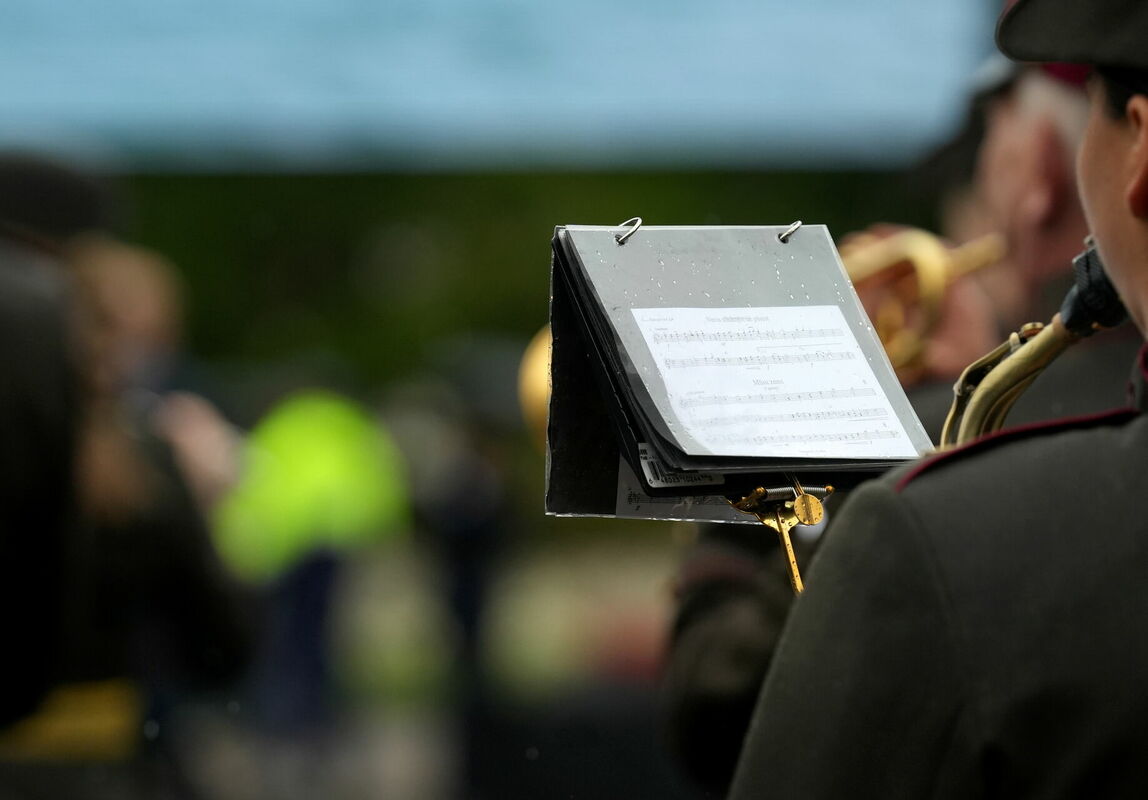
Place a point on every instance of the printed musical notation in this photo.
(633, 497)
(632, 501)
(802, 363)
(775, 397)
(847, 437)
(746, 335)
(857, 414)
(772, 359)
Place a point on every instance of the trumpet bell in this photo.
(902, 279)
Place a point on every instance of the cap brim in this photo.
(1105, 32)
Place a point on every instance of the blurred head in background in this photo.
(1027, 185)
(137, 298)
(47, 203)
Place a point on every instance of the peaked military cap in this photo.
(1111, 33)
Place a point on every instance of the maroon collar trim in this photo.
(990, 440)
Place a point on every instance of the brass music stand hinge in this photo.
(783, 508)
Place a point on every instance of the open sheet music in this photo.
(777, 382)
(708, 361)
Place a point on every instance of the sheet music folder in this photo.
(690, 364)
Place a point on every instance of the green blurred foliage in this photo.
(378, 266)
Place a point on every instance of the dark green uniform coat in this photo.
(976, 625)
(733, 593)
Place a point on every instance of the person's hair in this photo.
(46, 203)
(1121, 84)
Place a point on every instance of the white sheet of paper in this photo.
(786, 382)
(633, 503)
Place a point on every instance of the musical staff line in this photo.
(775, 397)
(759, 360)
(795, 416)
(745, 335)
(855, 437)
(633, 498)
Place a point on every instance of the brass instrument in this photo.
(917, 267)
(988, 388)
(534, 385)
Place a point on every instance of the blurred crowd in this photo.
(159, 557)
(161, 562)
(189, 555)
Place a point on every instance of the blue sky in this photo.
(446, 84)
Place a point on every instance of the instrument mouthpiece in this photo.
(1092, 303)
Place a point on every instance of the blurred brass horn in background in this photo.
(534, 385)
(905, 319)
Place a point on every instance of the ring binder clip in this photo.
(783, 237)
(634, 223)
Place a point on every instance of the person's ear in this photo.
(1049, 182)
(1137, 192)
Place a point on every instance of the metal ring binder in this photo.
(783, 237)
(634, 223)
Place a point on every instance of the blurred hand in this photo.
(205, 445)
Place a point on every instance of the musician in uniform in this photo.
(975, 623)
(732, 591)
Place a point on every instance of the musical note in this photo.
(745, 335)
(796, 378)
(854, 437)
(634, 498)
(775, 397)
(759, 360)
(794, 416)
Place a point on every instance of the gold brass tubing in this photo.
(984, 409)
(534, 385)
(965, 387)
(973, 255)
(928, 255)
(934, 265)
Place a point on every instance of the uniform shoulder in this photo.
(1021, 442)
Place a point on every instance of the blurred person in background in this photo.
(463, 490)
(147, 612)
(39, 412)
(320, 480)
(1010, 171)
(137, 298)
(453, 423)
